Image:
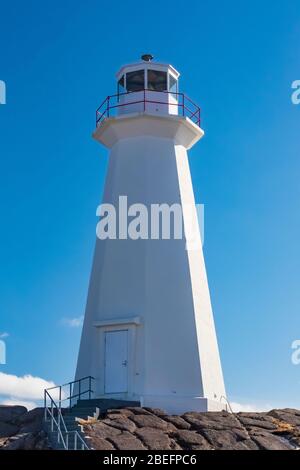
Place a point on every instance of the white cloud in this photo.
(75, 322)
(25, 388)
(15, 401)
(4, 335)
(250, 407)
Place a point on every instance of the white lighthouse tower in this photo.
(149, 331)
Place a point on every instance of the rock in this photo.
(137, 427)
(156, 411)
(9, 413)
(234, 439)
(31, 421)
(122, 411)
(178, 422)
(126, 441)
(101, 430)
(245, 445)
(155, 439)
(120, 422)
(295, 440)
(3, 442)
(212, 420)
(7, 429)
(152, 421)
(37, 414)
(137, 410)
(268, 441)
(261, 422)
(24, 441)
(191, 440)
(287, 415)
(27, 441)
(100, 444)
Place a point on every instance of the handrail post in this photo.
(70, 397)
(45, 406)
(75, 441)
(58, 425)
(59, 404)
(51, 415)
(144, 100)
(183, 105)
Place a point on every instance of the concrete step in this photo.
(70, 428)
(71, 440)
(104, 400)
(81, 414)
(106, 403)
(81, 409)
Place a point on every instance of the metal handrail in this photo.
(59, 423)
(56, 416)
(227, 403)
(103, 111)
(71, 383)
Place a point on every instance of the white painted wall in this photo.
(152, 101)
(174, 354)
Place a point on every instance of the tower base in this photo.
(179, 405)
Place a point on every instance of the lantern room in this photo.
(155, 83)
(147, 87)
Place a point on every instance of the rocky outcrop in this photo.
(136, 428)
(152, 429)
(21, 429)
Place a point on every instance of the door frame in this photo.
(127, 358)
(103, 326)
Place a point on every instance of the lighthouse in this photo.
(149, 332)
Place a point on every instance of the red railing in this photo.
(113, 104)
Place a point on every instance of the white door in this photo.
(116, 361)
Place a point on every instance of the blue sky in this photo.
(237, 60)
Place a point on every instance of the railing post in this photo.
(67, 441)
(45, 406)
(59, 404)
(75, 441)
(51, 415)
(144, 100)
(70, 397)
(183, 105)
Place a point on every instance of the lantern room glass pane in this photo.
(135, 81)
(121, 87)
(157, 81)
